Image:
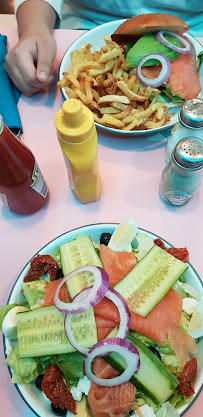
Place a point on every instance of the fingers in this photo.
(21, 68)
(18, 80)
(46, 55)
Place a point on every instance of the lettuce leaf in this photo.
(171, 362)
(166, 410)
(175, 99)
(148, 44)
(24, 370)
(71, 364)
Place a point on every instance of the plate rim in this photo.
(118, 131)
(108, 224)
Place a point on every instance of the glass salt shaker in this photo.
(190, 124)
(181, 178)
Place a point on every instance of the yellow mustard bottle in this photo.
(77, 136)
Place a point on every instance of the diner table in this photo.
(130, 169)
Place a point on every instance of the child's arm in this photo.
(29, 63)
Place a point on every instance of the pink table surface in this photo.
(130, 170)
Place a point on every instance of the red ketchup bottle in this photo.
(22, 187)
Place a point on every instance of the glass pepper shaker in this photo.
(190, 124)
(181, 178)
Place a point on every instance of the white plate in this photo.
(95, 37)
(30, 394)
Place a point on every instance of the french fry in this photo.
(160, 113)
(108, 67)
(95, 94)
(70, 92)
(131, 125)
(62, 83)
(80, 94)
(109, 110)
(123, 113)
(124, 88)
(119, 106)
(110, 98)
(131, 82)
(111, 121)
(153, 125)
(113, 53)
(72, 80)
(88, 92)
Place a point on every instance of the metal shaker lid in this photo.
(189, 153)
(191, 113)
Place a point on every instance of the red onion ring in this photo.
(126, 349)
(94, 296)
(123, 309)
(164, 73)
(160, 37)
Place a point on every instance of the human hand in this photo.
(28, 64)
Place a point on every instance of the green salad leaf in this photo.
(24, 370)
(71, 364)
(148, 44)
(166, 410)
(34, 291)
(175, 99)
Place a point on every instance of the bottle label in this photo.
(4, 200)
(39, 184)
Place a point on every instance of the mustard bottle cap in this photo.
(74, 121)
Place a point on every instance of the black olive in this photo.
(104, 239)
(155, 351)
(38, 381)
(59, 274)
(59, 411)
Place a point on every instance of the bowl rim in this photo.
(87, 226)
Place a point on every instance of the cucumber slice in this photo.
(74, 254)
(151, 278)
(41, 331)
(152, 378)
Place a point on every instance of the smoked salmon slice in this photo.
(109, 401)
(116, 264)
(162, 322)
(183, 79)
(104, 327)
(50, 289)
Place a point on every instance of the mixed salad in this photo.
(107, 329)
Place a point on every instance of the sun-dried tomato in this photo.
(41, 264)
(187, 378)
(158, 242)
(56, 390)
(179, 253)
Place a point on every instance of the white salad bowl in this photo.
(30, 394)
(95, 37)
